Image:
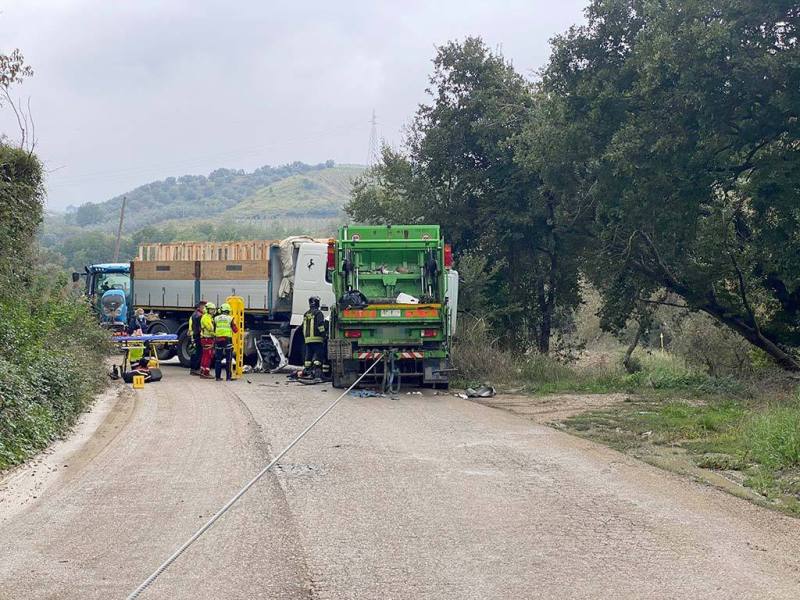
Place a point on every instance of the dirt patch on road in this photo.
(555, 408)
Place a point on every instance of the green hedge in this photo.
(52, 354)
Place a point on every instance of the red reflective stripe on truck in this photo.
(401, 355)
(422, 313)
(360, 314)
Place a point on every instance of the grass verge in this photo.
(756, 440)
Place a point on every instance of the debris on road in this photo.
(367, 394)
(485, 391)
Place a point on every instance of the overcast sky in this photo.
(130, 92)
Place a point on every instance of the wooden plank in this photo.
(206, 251)
(230, 269)
(159, 270)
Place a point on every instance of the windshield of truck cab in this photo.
(111, 281)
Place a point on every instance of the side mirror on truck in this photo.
(76, 277)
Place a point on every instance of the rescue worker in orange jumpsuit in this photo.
(224, 328)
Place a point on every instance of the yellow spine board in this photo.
(237, 312)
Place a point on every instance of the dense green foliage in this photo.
(686, 151)
(20, 212)
(51, 348)
(52, 355)
(658, 154)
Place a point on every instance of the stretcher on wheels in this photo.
(136, 347)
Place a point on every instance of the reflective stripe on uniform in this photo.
(222, 326)
(308, 328)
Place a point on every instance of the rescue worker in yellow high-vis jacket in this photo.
(315, 334)
(207, 339)
(224, 328)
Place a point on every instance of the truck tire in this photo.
(342, 376)
(337, 376)
(164, 326)
(184, 348)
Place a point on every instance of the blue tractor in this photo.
(108, 287)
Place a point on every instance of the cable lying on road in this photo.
(146, 583)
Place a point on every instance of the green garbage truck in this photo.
(395, 301)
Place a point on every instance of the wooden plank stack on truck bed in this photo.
(178, 275)
(203, 251)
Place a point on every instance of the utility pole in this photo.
(119, 229)
(373, 154)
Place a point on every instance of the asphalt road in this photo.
(419, 497)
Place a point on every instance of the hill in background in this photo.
(323, 187)
(228, 204)
(318, 193)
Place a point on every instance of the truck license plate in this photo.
(390, 313)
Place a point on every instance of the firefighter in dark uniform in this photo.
(315, 334)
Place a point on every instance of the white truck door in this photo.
(309, 280)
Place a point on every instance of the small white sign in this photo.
(390, 313)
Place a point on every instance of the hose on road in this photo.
(146, 583)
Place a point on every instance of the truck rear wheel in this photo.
(184, 348)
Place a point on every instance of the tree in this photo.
(13, 70)
(684, 118)
(21, 196)
(89, 214)
(461, 168)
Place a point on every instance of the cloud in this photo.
(125, 93)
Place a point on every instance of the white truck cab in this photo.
(310, 280)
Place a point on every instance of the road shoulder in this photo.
(23, 485)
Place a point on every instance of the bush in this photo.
(52, 349)
(479, 358)
(52, 355)
(21, 195)
(477, 355)
(720, 352)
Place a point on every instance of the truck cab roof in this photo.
(109, 268)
